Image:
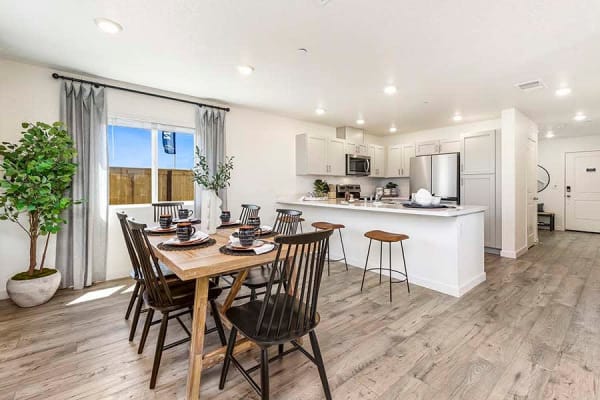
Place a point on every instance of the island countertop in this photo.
(396, 208)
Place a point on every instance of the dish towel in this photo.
(265, 248)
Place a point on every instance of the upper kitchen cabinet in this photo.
(426, 147)
(377, 154)
(478, 153)
(316, 155)
(450, 146)
(398, 160)
(358, 149)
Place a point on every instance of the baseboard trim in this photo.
(514, 254)
(470, 285)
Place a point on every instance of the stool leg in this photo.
(404, 262)
(366, 262)
(390, 265)
(380, 259)
(343, 250)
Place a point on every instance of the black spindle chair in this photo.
(171, 299)
(286, 223)
(166, 207)
(136, 274)
(288, 310)
(248, 210)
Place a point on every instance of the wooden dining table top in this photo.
(207, 261)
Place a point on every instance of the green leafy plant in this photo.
(38, 171)
(321, 187)
(219, 180)
(391, 185)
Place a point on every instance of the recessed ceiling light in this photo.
(390, 90)
(320, 111)
(580, 116)
(108, 26)
(457, 117)
(245, 69)
(360, 121)
(563, 91)
(549, 134)
(393, 129)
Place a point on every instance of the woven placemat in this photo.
(153, 233)
(228, 226)
(226, 251)
(266, 235)
(168, 247)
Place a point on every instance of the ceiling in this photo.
(443, 56)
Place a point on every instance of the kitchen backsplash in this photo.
(367, 185)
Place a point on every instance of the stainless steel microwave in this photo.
(357, 165)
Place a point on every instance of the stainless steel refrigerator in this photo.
(438, 173)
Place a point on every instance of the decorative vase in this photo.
(210, 211)
(33, 292)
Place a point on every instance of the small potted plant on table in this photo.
(38, 171)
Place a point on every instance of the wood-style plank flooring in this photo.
(531, 331)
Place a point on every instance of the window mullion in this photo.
(154, 147)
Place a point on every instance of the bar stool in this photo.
(388, 237)
(323, 226)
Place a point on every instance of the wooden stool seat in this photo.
(327, 225)
(384, 236)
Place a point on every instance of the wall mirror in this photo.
(543, 178)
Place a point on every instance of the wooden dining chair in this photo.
(248, 210)
(288, 311)
(136, 274)
(171, 298)
(286, 223)
(166, 207)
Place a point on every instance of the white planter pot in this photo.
(210, 211)
(33, 292)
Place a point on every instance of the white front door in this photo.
(582, 186)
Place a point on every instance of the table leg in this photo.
(197, 342)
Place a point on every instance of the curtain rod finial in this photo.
(55, 75)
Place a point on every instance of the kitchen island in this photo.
(445, 251)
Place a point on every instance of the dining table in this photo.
(202, 264)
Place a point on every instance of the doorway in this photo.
(582, 191)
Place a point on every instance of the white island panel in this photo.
(445, 251)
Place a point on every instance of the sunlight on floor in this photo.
(96, 294)
(128, 290)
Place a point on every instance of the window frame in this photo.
(154, 128)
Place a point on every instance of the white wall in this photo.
(516, 129)
(451, 132)
(262, 144)
(551, 155)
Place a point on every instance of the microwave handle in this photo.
(368, 166)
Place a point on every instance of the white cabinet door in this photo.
(480, 190)
(408, 152)
(478, 153)
(316, 150)
(358, 149)
(394, 161)
(336, 157)
(450, 146)
(377, 154)
(350, 148)
(427, 147)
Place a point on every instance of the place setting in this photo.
(165, 226)
(185, 215)
(226, 221)
(261, 231)
(187, 238)
(245, 242)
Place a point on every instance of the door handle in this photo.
(535, 198)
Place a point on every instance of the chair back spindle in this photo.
(166, 207)
(290, 302)
(135, 263)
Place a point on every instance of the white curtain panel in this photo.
(210, 137)
(81, 244)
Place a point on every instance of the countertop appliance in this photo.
(438, 173)
(353, 189)
(358, 165)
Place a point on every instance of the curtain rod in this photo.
(98, 84)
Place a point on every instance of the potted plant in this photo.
(210, 203)
(390, 189)
(38, 171)
(321, 188)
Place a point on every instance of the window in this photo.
(149, 163)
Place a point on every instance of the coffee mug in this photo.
(255, 223)
(185, 230)
(165, 221)
(225, 216)
(246, 235)
(184, 213)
